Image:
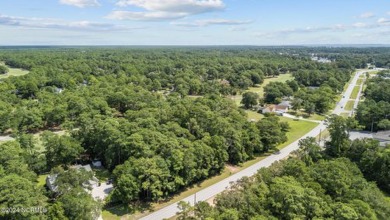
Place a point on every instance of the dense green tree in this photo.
(78, 204)
(3, 69)
(60, 150)
(271, 132)
(17, 193)
(249, 99)
(274, 91)
(309, 150)
(339, 137)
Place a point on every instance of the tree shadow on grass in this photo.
(123, 209)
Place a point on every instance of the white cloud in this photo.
(383, 21)
(81, 3)
(49, 23)
(359, 25)
(144, 16)
(156, 10)
(366, 15)
(237, 29)
(208, 22)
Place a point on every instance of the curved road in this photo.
(217, 188)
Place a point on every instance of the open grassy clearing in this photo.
(355, 92)
(260, 88)
(349, 105)
(298, 128)
(359, 82)
(254, 116)
(13, 72)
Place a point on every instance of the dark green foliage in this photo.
(60, 150)
(333, 189)
(339, 137)
(249, 99)
(274, 91)
(374, 112)
(373, 160)
(315, 100)
(272, 132)
(3, 69)
(129, 108)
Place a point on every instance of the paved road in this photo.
(217, 188)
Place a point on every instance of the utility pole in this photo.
(319, 138)
(194, 199)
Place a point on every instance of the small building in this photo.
(285, 103)
(51, 179)
(275, 109)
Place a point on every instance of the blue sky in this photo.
(194, 22)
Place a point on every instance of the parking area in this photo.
(102, 191)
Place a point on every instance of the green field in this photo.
(355, 92)
(260, 88)
(359, 82)
(13, 72)
(254, 116)
(349, 105)
(297, 129)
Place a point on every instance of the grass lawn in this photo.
(359, 82)
(297, 130)
(355, 92)
(254, 115)
(349, 105)
(13, 72)
(260, 88)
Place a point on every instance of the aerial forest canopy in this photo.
(374, 112)
(160, 119)
(344, 181)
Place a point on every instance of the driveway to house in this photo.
(219, 187)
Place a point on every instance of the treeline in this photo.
(313, 184)
(170, 144)
(19, 191)
(374, 112)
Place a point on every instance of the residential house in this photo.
(51, 179)
(278, 109)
